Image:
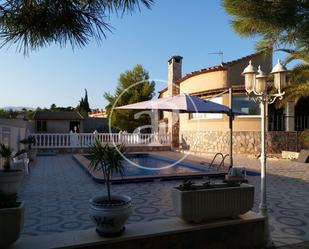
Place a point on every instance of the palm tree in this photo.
(7, 153)
(32, 24)
(298, 77)
(109, 160)
(281, 25)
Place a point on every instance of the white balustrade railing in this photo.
(84, 140)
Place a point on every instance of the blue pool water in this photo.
(252, 173)
(154, 165)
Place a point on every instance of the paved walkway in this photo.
(57, 193)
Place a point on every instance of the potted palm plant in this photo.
(11, 211)
(10, 179)
(109, 212)
(29, 141)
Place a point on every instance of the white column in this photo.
(155, 121)
(289, 111)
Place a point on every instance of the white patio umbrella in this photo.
(184, 103)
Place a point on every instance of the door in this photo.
(74, 126)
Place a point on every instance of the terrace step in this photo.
(246, 231)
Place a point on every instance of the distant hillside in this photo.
(16, 108)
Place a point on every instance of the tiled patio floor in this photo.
(57, 193)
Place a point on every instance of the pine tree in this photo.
(33, 24)
(279, 23)
(133, 86)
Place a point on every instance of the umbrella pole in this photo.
(231, 117)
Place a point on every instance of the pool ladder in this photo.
(221, 163)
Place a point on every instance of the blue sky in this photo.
(57, 75)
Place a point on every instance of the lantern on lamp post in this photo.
(256, 88)
(279, 72)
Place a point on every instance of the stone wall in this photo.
(244, 142)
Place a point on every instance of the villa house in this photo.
(209, 132)
(58, 122)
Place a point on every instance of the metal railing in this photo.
(276, 122)
(84, 140)
(221, 164)
(301, 122)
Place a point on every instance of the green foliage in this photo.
(187, 185)
(108, 159)
(53, 107)
(298, 79)
(295, 93)
(282, 25)
(305, 138)
(62, 109)
(299, 74)
(133, 86)
(277, 22)
(30, 114)
(11, 114)
(8, 114)
(32, 24)
(83, 106)
(28, 141)
(6, 152)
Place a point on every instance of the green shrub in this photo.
(305, 138)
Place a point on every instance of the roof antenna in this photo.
(218, 53)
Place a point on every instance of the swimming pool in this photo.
(151, 167)
(148, 164)
(147, 167)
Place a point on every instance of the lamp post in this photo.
(256, 88)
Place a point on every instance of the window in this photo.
(246, 105)
(217, 100)
(41, 125)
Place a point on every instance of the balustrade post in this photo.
(95, 137)
(73, 139)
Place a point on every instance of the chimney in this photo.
(174, 74)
